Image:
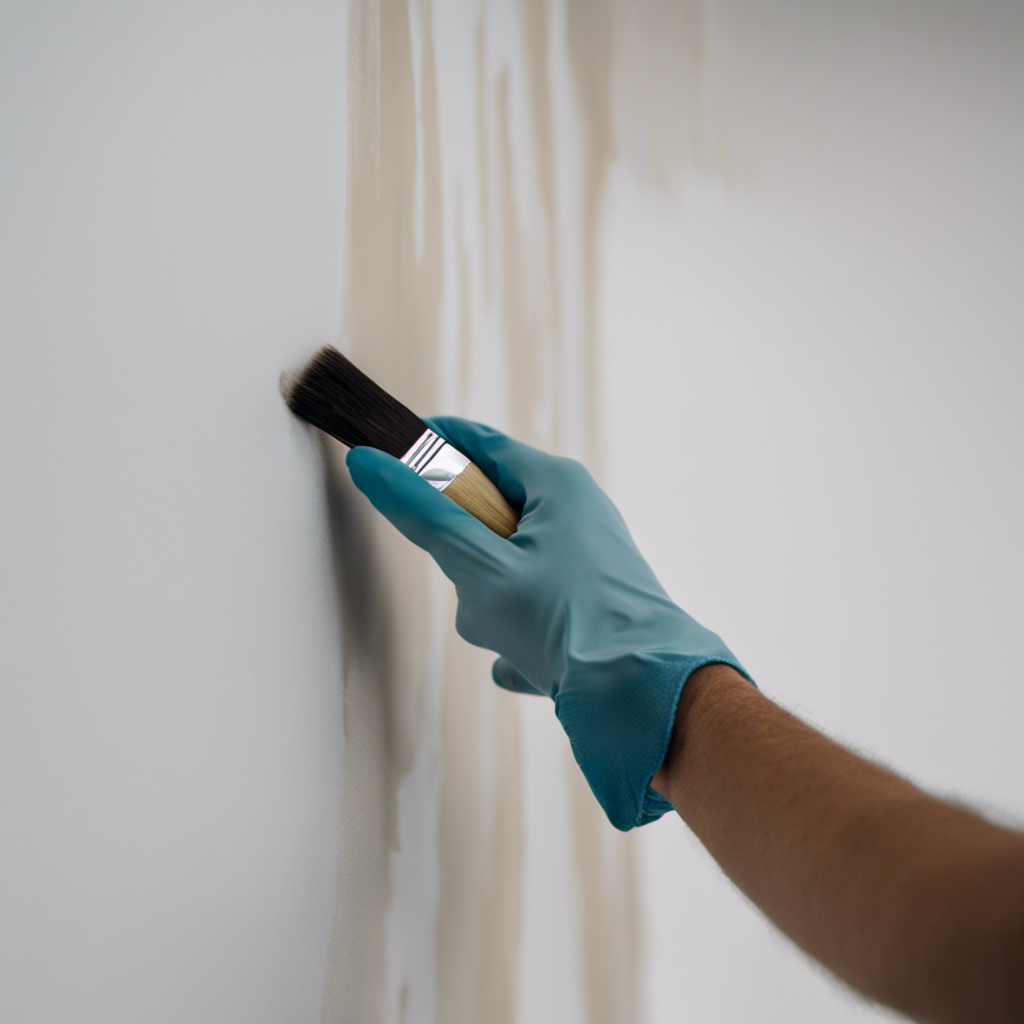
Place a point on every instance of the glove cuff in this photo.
(654, 804)
(640, 694)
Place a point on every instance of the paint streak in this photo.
(525, 274)
(660, 50)
(481, 841)
(483, 158)
(536, 32)
(392, 313)
(523, 380)
(391, 308)
(479, 914)
(464, 339)
(590, 50)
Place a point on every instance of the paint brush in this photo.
(336, 396)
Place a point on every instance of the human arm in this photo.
(913, 901)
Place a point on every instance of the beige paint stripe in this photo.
(618, 57)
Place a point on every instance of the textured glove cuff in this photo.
(654, 804)
(620, 723)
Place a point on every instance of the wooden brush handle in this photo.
(479, 497)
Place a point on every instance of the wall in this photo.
(832, 369)
(247, 770)
(171, 702)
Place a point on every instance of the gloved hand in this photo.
(567, 601)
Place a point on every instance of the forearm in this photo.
(915, 902)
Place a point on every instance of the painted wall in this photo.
(758, 267)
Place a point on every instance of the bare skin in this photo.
(915, 902)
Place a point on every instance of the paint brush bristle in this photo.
(341, 400)
(336, 396)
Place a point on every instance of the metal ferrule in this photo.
(434, 459)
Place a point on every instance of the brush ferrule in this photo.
(434, 459)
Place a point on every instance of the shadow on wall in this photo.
(356, 972)
(428, 917)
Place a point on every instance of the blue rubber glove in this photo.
(567, 601)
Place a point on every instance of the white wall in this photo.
(170, 709)
(831, 370)
(787, 289)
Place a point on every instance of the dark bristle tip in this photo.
(333, 394)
